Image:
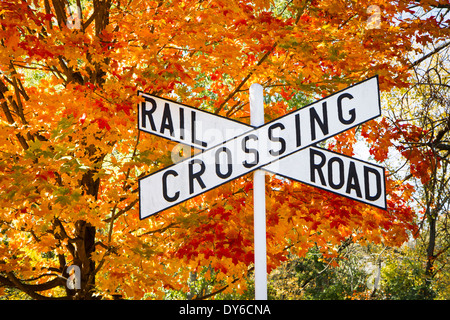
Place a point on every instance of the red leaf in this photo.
(102, 123)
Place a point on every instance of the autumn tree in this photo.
(420, 125)
(71, 153)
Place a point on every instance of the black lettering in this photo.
(166, 122)
(247, 150)
(229, 164)
(148, 113)
(353, 181)
(368, 170)
(196, 175)
(331, 170)
(351, 112)
(194, 138)
(182, 123)
(277, 139)
(164, 184)
(298, 135)
(314, 118)
(317, 167)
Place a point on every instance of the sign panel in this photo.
(185, 124)
(254, 149)
(331, 171)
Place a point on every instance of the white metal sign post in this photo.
(259, 200)
(284, 146)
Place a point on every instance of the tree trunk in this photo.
(84, 245)
(429, 273)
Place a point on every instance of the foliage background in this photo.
(71, 154)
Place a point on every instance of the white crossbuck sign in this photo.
(284, 146)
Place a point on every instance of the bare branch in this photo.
(428, 55)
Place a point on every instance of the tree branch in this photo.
(120, 212)
(417, 62)
(215, 292)
(442, 146)
(170, 225)
(30, 289)
(8, 114)
(60, 233)
(238, 88)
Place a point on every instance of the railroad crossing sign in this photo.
(284, 146)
